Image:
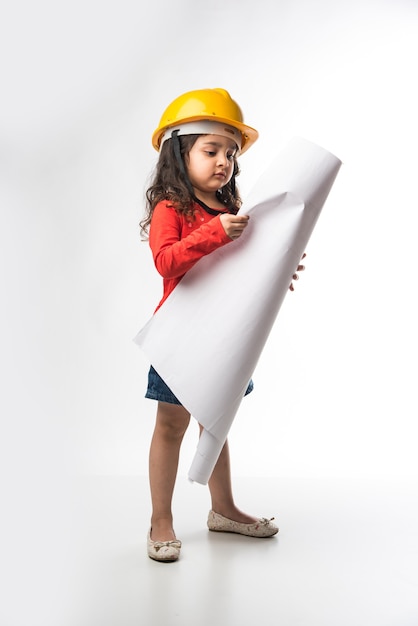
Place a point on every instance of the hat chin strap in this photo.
(180, 162)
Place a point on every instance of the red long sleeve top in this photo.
(177, 242)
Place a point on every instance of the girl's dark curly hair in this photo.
(169, 183)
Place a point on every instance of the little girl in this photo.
(192, 207)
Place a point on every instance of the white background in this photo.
(83, 87)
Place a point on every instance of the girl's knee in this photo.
(172, 419)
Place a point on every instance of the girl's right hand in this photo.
(234, 225)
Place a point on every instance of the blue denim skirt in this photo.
(158, 390)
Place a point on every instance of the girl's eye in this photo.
(212, 153)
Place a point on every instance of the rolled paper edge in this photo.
(205, 458)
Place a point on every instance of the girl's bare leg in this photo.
(171, 423)
(221, 490)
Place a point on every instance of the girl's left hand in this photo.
(300, 268)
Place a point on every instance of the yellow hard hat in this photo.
(214, 105)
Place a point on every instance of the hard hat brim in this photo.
(249, 134)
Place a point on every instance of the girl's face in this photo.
(210, 163)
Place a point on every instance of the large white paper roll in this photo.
(206, 339)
